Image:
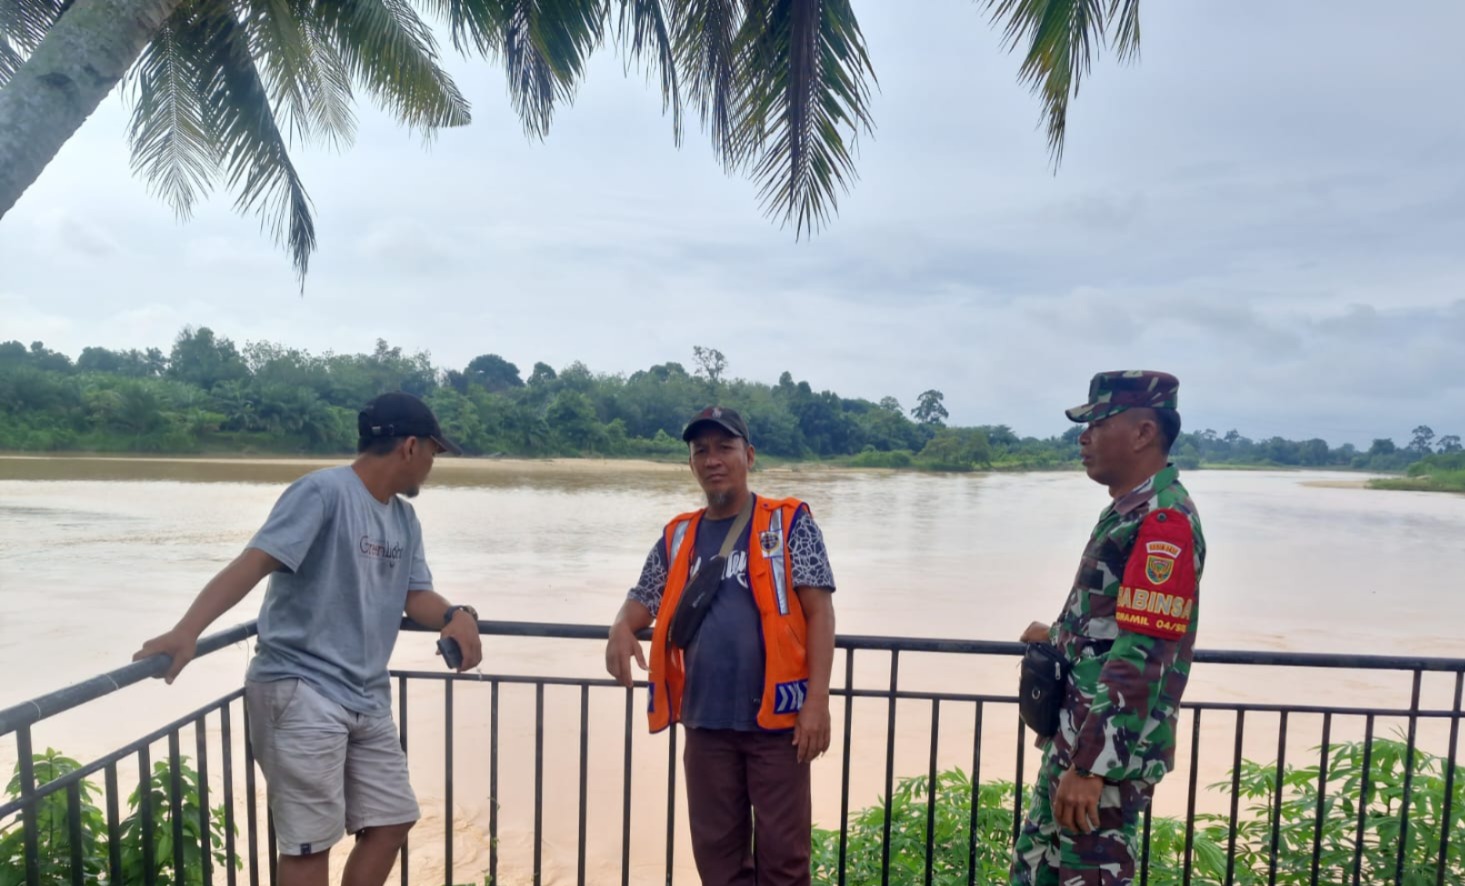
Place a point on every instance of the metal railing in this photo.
(166, 814)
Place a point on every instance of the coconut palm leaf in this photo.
(545, 46)
(807, 83)
(703, 37)
(23, 23)
(644, 30)
(247, 138)
(172, 148)
(309, 83)
(1059, 39)
(391, 51)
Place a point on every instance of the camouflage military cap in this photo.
(1113, 392)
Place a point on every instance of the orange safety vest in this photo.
(785, 634)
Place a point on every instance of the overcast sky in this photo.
(1271, 205)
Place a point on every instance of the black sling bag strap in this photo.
(696, 597)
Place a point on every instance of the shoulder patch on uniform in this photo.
(1157, 595)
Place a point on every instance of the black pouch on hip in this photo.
(1041, 688)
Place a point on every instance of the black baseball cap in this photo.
(399, 414)
(724, 418)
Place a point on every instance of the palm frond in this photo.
(1060, 38)
(23, 23)
(703, 37)
(309, 85)
(806, 77)
(545, 46)
(247, 138)
(475, 25)
(169, 137)
(1125, 16)
(389, 50)
(643, 30)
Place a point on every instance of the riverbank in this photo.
(1451, 482)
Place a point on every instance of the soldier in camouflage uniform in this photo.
(1128, 632)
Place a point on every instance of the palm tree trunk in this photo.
(81, 58)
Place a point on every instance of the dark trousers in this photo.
(748, 804)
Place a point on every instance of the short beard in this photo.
(718, 500)
(413, 492)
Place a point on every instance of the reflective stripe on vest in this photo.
(678, 536)
(773, 549)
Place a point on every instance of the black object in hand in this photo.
(452, 654)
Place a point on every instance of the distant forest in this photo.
(205, 395)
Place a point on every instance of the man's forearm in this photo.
(427, 608)
(225, 590)
(820, 652)
(633, 615)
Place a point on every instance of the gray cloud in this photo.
(1279, 228)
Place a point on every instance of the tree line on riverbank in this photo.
(207, 395)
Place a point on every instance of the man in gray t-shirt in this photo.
(344, 554)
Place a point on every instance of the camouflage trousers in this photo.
(1047, 855)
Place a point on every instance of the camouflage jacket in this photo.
(1128, 629)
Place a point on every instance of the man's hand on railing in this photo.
(1037, 632)
(621, 648)
(623, 645)
(177, 644)
(464, 629)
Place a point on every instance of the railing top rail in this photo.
(876, 642)
(53, 703)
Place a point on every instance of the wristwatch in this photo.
(453, 610)
(1084, 773)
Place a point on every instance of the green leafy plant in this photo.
(1347, 798)
(54, 841)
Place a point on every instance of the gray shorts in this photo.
(329, 770)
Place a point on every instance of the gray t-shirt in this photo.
(725, 662)
(333, 610)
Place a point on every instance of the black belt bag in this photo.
(1042, 688)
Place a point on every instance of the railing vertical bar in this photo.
(931, 788)
(971, 851)
(30, 839)
(1408, 778)
(1190, 799)
(272, 851)
(73, 832)
(1450, 778)
(1144, 859)
(493, 782)
(538, 870)
(251, 814)
(402, 740)
(889, 767)
(671, 800)
(175, 800)
(1235, 799)
(626, 791)
(584, 781)
(849, 712)
(1277, 799)
(448, 782)
(1017, 781)
(145, 811)
(114, 826)
(1322, 794)
(1363, 800)
(205, 847)
(226, 746)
